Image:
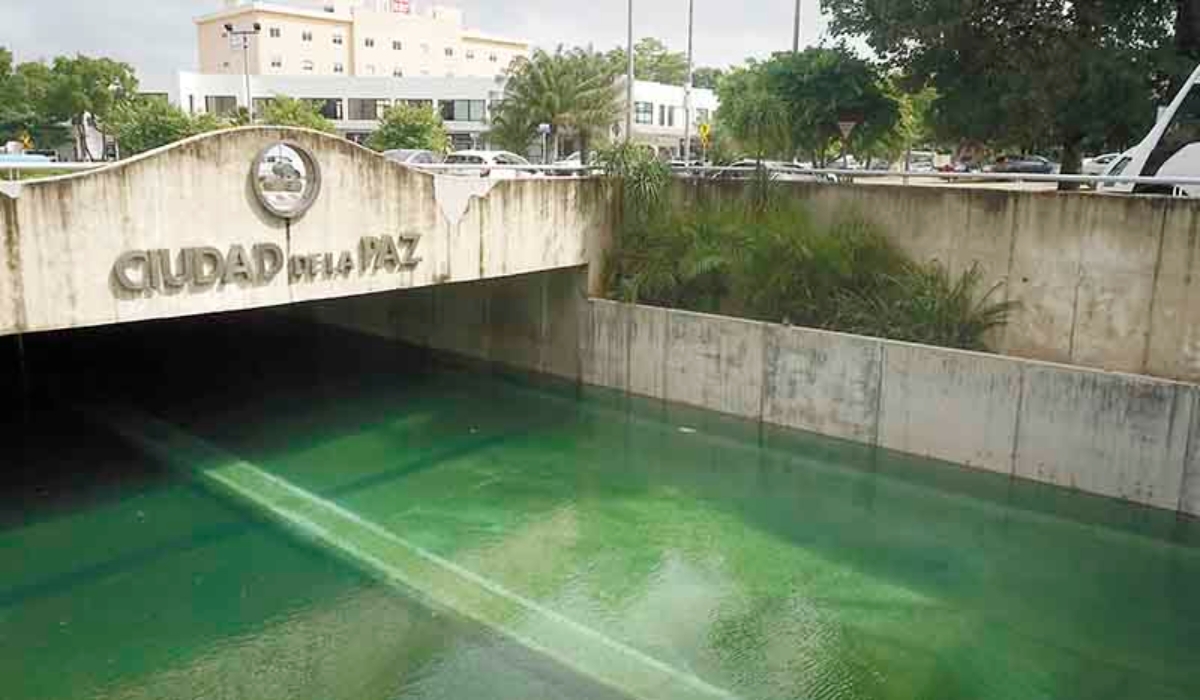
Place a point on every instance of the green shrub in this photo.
(925, 304)
(764, 257)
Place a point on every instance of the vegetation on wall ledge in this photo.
(763, 256)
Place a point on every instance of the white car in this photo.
(776, 170)
(483, 164)
(1099, 164)
(413, 156)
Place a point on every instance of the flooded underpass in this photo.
(250, 506)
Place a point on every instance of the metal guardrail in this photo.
(701, 172)
(963, 177)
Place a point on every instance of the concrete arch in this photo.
(63, 236)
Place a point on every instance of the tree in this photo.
(144, 124)
(287, 111)
(1187, 29)
(1066, 73)
(16, 112)
(572, 91)
(750, 113)
(821, 87)
(410, 126)
(651, 61)
(793, 103)
(707, 78)
(84, 91)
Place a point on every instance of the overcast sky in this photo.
(157, 36)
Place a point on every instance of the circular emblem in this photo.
(287, 179)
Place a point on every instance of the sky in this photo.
(157, 36)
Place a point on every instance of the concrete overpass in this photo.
(266, 217)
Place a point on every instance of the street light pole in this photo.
(796, 30)
(687, 90)
(244, 35)
(629, 81)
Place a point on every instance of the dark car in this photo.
(1035, 165)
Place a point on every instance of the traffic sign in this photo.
(705, 133)
(847, 128)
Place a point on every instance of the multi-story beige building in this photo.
(362, 38)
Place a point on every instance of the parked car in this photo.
(1099, 165)
(776, 170)
(413, 156)
(1034, 165)
(488, 158)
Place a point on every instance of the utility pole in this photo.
(244, 36)
(796, 30)
(687, 90)
(629, 81)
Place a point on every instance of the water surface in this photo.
(766, 563)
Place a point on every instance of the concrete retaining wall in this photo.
(529, 322)
(62, 236)
(1123, 436)
(1106, 282)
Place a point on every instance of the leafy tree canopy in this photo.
(707, 78)
(410, 126)
(793, 103)
(288, 111)
(144, 124)
(1032, 75)
(572, 91)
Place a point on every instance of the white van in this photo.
(1172, 148)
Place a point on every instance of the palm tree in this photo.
(572, 91)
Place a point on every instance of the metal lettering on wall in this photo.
(207, 267)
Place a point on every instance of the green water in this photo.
(765, 563)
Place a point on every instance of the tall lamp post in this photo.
(796, 30)
(687, 90)
(629, 81)
(243, 36)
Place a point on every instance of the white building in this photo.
(353, 104)
(659, 117)
(359, 38)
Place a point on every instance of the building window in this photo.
(493, 58)
(306, 66)
(643, 113)
(370, 69)
(220, 105)
(701, 116)
(397, 72)
(464, 110)
(369, 43)
(397, 46)
(339, 68)
(423, 104)
(367, 109)
(277, 61)
(338, 39)
(276, 32)
(449, 52)
(191, 104)
(470, 55)
(305, 36)
(662, 115)
(671, 116)
(225, 64)
(329, 108)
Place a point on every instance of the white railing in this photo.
(8, 171)
(830, 175)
